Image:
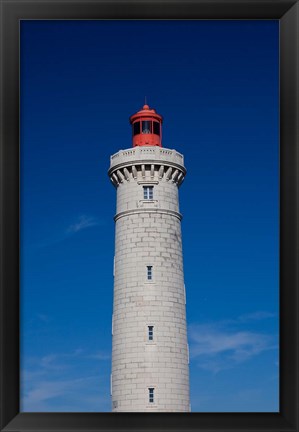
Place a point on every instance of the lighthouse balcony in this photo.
(147, 164)
(146, 154)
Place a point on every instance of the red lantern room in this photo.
(146, 127)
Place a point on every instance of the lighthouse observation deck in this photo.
(147, 155)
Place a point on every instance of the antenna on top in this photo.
(145, 100)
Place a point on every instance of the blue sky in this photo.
(216, 84)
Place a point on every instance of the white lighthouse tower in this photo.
(150, 355)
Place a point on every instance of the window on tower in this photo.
(136, 128)
(151, 397)
(156, 128)
(148, 192)
(146, 127)
(150, 333)
(149, 272)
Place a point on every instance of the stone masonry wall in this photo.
(148, 233)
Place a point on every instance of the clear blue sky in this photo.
(216, 84)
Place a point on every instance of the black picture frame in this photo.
(287, 12)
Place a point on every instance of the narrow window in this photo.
(136, 128)
(148, 192)
(151, 395)
(149, 272)
(150, 333)
(156, 128)
(146, 127)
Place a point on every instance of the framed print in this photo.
(67, 210)
(243, 215)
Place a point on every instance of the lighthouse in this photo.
(150, 354)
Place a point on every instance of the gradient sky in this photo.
(216, 84)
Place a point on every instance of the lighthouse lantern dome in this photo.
(146, 127)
